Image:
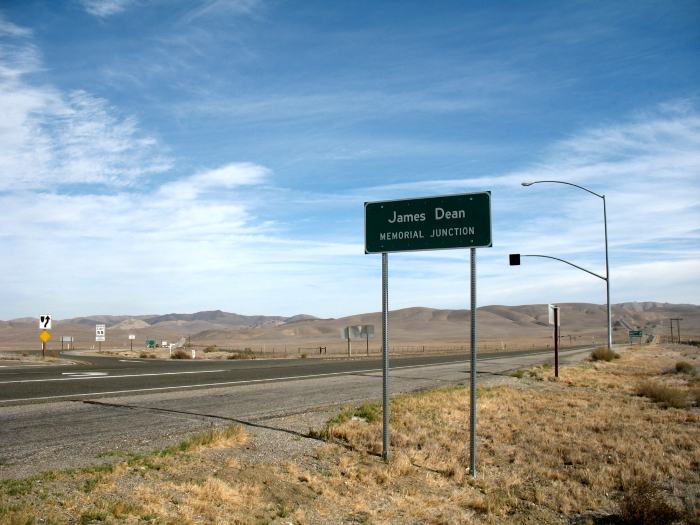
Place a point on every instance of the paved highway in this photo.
(100, 376)
(70, 416)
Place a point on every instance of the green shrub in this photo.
(371, 412)
(211, 348)
(666, 395)
(247, 353)
(643, 504)
(603, 354)
(684, 367)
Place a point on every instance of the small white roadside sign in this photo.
(132, 337)
(100, 333)
(45, 322)
(550, 311)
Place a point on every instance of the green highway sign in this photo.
(636, 333)
(429, 223)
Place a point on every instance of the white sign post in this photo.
(100, 335)
(44, 326)
(555, 319)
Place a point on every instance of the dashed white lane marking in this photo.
(85, 374)
(107, 376)
(130, 361)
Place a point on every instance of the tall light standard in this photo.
(605, 222)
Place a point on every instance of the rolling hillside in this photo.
(498, 327)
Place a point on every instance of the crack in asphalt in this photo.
(210, 416)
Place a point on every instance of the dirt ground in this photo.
(606, 442)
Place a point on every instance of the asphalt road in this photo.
(60, 417)
(99, 376)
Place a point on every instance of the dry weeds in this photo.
(550, 451)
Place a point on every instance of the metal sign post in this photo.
(360, 331)
(428, 223)
(472, 368)
(556, 341)
(385, 354)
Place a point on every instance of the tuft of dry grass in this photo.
(665, 395)
(242, 354)
(643, 503)
(216, 437)
(684, 367)
(604, 354)
(181, 354)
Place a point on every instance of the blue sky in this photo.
(160, 156)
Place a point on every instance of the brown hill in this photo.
(498, 327)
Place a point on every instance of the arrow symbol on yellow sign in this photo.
(44, 336)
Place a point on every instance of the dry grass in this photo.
(644, 503)
(549, 451)
(667, 396)
(545, 447)
(604, 354)
(684, 367)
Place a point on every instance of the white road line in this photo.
(130, 361)
(85, 374)
(226, 383)
(108, 377)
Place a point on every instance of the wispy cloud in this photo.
(105, 8)
(7, 28)
(222, 8)
(49, 138)
(216, 180)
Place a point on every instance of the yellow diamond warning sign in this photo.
(45, 336)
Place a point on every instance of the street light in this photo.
(607, 266)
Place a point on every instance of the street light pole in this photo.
(607, 264)
(607, 274)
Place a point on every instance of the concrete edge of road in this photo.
(37, 364)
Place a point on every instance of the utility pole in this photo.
(671, 331)
(678, 326)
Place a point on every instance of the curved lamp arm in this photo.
(569, 263)
(562, 182)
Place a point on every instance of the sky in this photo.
(176, 156)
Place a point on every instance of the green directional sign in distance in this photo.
(636, 333)
(429, 223)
